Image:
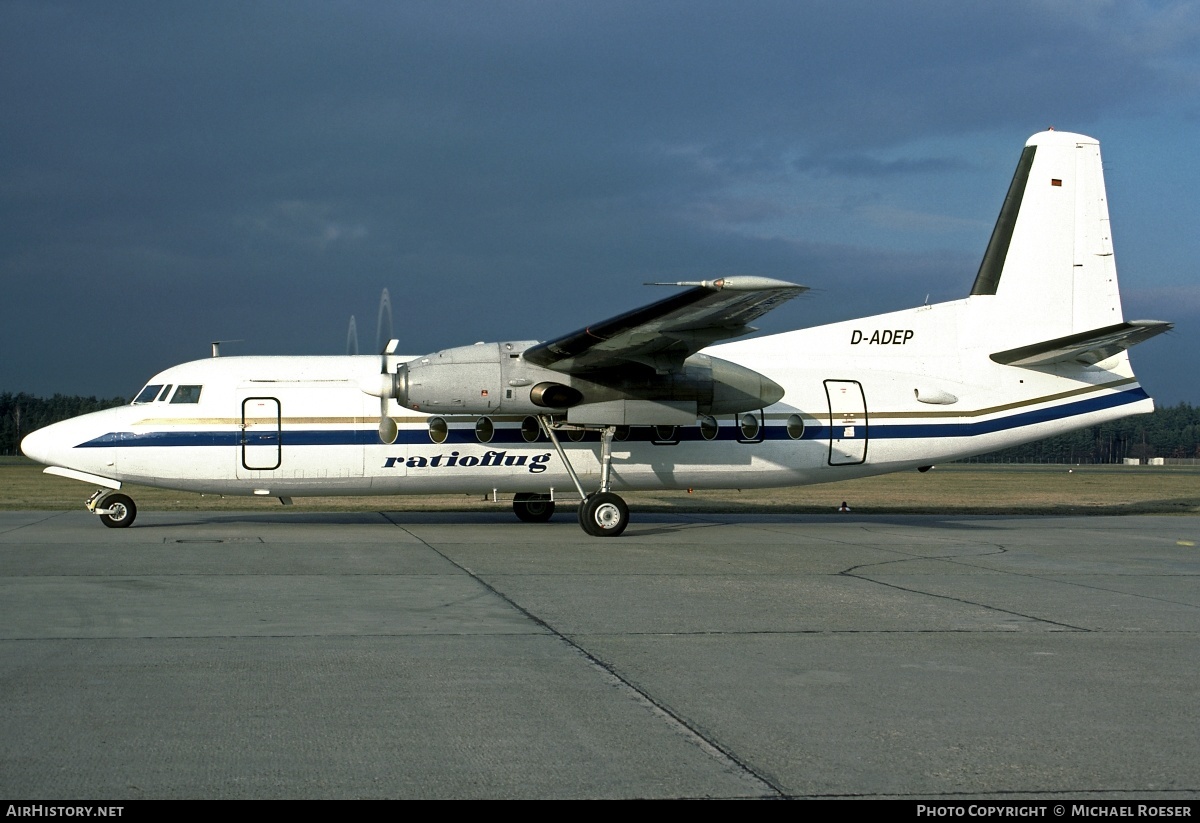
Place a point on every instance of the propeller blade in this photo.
(388, 429)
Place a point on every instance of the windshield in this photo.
(186, 394)
(148, 394)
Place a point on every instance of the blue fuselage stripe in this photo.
(368, 437)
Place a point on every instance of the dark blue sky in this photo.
(174, 173)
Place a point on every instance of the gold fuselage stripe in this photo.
(408, 420)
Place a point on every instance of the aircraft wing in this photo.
(665, 333)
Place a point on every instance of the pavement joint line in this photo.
(850, 573)
(568, 638)
(964, 560)
(19, 526)
(1052, 579)
(679, 724)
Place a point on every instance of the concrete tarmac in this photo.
(290, 654)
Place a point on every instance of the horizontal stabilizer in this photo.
(1088, 347)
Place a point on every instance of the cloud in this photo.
(262, 170)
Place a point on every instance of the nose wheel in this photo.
(116, 511)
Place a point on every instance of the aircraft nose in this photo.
(40, 445)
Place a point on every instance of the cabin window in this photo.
(795, 427)
(576, 434)
(530, 430)
(484, 430)
(622, 433)
(438, 430)
(187, 394)
(148, 394)
(749, 426)
(708, 427)
(665, 435)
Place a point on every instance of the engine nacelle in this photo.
(493, 378)
(462, 380)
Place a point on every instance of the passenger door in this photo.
(261, 435)
(847, 422)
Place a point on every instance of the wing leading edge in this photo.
(665, 333)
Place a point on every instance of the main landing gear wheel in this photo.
(603, 514)
(533, 508)
(122, 511)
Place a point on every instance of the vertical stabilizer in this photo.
(1049, 264)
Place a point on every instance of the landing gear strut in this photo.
(602, 514)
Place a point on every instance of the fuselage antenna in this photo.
(216, 346)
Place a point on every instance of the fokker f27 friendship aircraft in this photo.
(645, 400)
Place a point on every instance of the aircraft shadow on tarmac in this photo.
(645, 525)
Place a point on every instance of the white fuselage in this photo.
(867, 396)
(1037, 349)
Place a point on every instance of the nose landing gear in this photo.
(117, 511)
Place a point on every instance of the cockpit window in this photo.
(187, 394)
(148, 394)
(163, 394)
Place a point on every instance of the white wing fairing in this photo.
(645, 400)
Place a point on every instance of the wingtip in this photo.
(753, 283)
(737, 283)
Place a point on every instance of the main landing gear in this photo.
(116, 511)
(602, 514)
(533, 508)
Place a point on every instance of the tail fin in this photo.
(1049, 264)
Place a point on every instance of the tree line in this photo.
(1173, 431)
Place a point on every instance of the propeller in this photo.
(388, 429)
